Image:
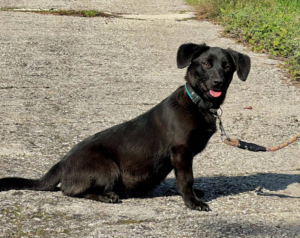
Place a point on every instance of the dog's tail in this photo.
(47, 183)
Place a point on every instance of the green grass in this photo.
(193, 2)
(271, 26)
(82, 13)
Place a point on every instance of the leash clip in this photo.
(215, 112)
(218, 116)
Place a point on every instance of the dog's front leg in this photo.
(182, 160)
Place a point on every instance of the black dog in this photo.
(133, 157)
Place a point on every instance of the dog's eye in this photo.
(206, 64)
(227, 68)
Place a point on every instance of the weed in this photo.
(83, 13)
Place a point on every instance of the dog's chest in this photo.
(201, 133)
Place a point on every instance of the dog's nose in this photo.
(217, 82)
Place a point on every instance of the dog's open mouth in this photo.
(215, 94)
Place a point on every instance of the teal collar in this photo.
(198, 100)
(193, 95)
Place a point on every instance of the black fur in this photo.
(132, 158)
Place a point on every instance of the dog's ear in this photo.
(187, 52)
(242, 63)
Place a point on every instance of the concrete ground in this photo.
(63, 78)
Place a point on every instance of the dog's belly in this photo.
(139, 178)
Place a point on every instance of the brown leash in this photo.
(249, 146)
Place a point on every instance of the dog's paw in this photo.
(203, 207)
(197, 204)
(114, 198)
(109, 197)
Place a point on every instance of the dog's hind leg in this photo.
(97, 180)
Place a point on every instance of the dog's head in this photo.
(211, 69)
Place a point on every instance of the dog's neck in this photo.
(198, 100)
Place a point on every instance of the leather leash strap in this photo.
(250, 146)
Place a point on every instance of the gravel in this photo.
(64, 78)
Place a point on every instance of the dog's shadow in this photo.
(220, 186)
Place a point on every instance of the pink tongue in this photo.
(215, 94)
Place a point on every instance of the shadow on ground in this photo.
(220, 186)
